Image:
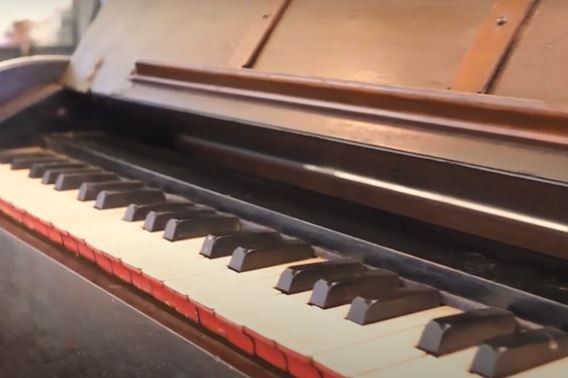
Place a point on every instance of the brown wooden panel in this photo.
(491, 45)
(411, 42)
(538, 66)
(183, 31)
(259, 32)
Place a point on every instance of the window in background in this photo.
(43, 26)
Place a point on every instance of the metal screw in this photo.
(501, 21)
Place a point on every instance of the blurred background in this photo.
(30, 27)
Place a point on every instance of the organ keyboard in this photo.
(267, 293)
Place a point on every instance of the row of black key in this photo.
(377, 295)
(180, 220)
(333, 283)
(110, 191)
(505, 348)
(249, 250)
(374, 294)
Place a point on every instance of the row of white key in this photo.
(380, 349)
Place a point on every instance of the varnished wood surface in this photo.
(491, 44)
(259, 32)
(417, 43)
(203, 32)
(537, 67)
(413, 42)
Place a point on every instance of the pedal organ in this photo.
(291, 186)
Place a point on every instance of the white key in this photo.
(458, 361)
(191, 266)
(225, 286)
(420, 367)
(553, 369)
(316, 330)
(461, 359)
(373, 354)
(42, 200)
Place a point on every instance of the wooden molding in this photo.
(507, 118)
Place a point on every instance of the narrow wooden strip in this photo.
(494, 39)
(256, 37)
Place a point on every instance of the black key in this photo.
(390, 304)
(70, 181)
(456, 332)
(137, 212)
(89, 191)
(506, 355)
(245, 259)
(224, 245)
(27, 162)
(111, 199)
(332, 293)
(156, 220)
(199, 226)
(50, 176)
(298, 278)
(8, 156)
(39, 169)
